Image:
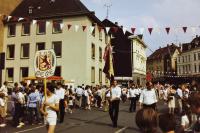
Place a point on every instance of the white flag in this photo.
(76, 27)
(157, 30)
(47, 23)
(141, 30)
(107, 29)
(9, 17)
(193, 30)
(92, 28)
(61, 25)
(124, 30)
(20, 19)
(34, 22)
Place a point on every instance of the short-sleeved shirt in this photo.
(185, 121)
(2, 102)
(51, 100)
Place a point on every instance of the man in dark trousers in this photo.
(132, 92)
(114, 102)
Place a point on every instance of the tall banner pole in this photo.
(45, 89)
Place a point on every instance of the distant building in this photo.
(79, 54)
(139, 59)
(163, 62)
(188, 62)
(121, 51)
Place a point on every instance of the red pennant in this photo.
(133, 30)
(150, 30)
(115, 29)
(167, 30)
(84, 27)
(184, 29)
(69, 26)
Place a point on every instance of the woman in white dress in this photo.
(171, 99)
(49, 107)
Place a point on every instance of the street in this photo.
(94, 121)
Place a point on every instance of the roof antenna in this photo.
(108, 6)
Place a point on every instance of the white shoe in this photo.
(2, 125)
(21, 123)
(19, 126)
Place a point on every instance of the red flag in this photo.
(150, 30)
(133, 30)
(84, 27)
(167, 30)
(184, 29)
(69, 26)
(115, 29)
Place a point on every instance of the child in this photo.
(2, 110)
(70, 104)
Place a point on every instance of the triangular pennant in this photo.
(150, 30)
(84, 27)
(9, 17)
(107, 29)
(157, 30)
(61, 25)
(76, 27)
(167, 30)
(19, 19)
(115, 29)
(133, 30)
(69, 26)
(34, 22)
(124, 30)
(92, 28)
(184, 29)
(141, 30)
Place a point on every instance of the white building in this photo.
(65, 26)
(139, 59)
(188, 62)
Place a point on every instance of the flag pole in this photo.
(45, 91)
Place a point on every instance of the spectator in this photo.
(2, 110)
(167, 123)
(147, 120)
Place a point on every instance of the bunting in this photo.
(76, 28)
(150, 30)
(92, 29)
(184, 29)
(69, 26)
(133, 30)
(167, 30)
(84, 27)
(107, 29)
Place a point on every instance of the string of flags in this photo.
(133, 30)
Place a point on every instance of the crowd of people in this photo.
(30, 106)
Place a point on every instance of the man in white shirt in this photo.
(179, 98)
(114, 103)
(4, 90)
(132, 96)
(79, 93)
(60, 93)
(148, 97)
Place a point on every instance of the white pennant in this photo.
(34, 22)
(157, 30)
(193, 30)
(9, 17)
(141, 30)
(47, 23)
(20, 19)
(76, 27)
(92, 28)
(124, 30)
(61, 25)
(107, 29)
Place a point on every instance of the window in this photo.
(195, 58)
(93, 51)
(11, 51)
(100, 54)
(57, 26)
(183, 59)
(179, 60)
(57, 71)
(93, 32)
(23, 72)
(40, 46)
(100, 75)
(195, 68)
(100, 35)
(57, 46)
(188, 58)
(10, 74)
(25, 50)
(93, 75)
(41, 27)
(11, 30)
(25, 28)
(198, 56)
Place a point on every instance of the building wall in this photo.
(76, 61)
(186, 63)
(6, 8)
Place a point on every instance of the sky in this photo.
(158, 14)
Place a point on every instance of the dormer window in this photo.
(30, 9)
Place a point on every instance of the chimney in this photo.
(197, 36)
(116, 23)
(140, 36)
(160, 47)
